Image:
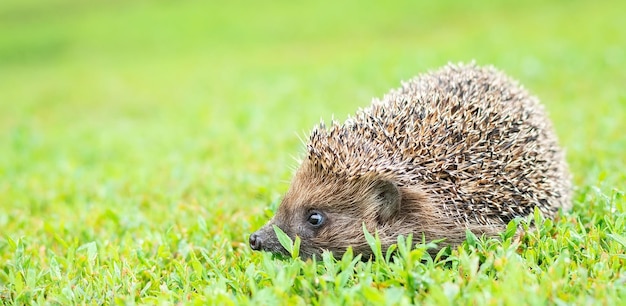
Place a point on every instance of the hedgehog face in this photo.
(327, 212)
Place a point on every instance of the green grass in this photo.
(142, 142)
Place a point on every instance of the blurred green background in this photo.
(121, 117)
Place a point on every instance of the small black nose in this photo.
(255, 242)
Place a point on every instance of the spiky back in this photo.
(472, 137)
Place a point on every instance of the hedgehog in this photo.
(462, 148)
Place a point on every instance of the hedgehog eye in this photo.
(315, 218)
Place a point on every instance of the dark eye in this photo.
(315, 218)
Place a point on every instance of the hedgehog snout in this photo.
(260, 240)
(265, 240)
(256, 242)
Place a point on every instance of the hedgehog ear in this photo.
(389, 197)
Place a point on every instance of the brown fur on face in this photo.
(462, 148)
(346, 204)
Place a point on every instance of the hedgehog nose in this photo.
(256, 242)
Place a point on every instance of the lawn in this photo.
(141, 142)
